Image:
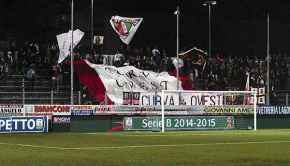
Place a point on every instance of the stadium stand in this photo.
(218, 74)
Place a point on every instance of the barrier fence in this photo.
(61, 98)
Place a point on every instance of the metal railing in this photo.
(63, 98)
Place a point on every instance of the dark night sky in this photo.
(239, 25)
(225, 9)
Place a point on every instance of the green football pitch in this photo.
(234, 147)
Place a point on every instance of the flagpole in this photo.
(268, 61)
(177, 47)
(71, 56)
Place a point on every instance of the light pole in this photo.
(71, 55)
(177, 12)
(209, 4)
(268, 61)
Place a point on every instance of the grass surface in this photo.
(261, 147)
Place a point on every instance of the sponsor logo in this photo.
(39, 124)
(229, 109)
(102, 108)
(29, 109)
(61, 119)
(52, 109)
(11, 110)
(128, 122)
(86, 107)
(274, 110)
(81, 112)
(148, 108)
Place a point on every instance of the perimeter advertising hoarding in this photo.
(178, 123)
(274, 110)
(81, 110)
(61, 123)
(146, 110)
(11, 110)
(23, 124)
(228, 109)
(46, 110)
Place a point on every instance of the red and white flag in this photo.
(116, 80)
(125, 27)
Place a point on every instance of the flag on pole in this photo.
(247, 88)
(125, 27)
(64, 42)
(196, 57)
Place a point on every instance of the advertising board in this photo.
(178, 123)
(23, 124)
(228, 109)
(146, 110)
(11, 110)
(274, 110)
(81, 110)
(46, 110)
(61, 123)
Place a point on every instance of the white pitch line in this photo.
(143, 146)
(165, 135)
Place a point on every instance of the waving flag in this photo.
(116, 81)
(196, 57)
(125, 27)
(64, 43)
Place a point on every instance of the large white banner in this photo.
(64, 42)
(131, 79)
(152, 98)
(125, 27)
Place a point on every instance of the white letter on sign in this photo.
(33, 124)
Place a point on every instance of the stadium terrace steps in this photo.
(12, 92)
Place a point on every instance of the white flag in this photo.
(99, 39)
(64, 43)
(125, 27)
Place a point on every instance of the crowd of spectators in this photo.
(217, 74)
(21, 58)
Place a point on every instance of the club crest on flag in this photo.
(125, 27)
(196, 57)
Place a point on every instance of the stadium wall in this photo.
(115, 123)
(66, 118)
